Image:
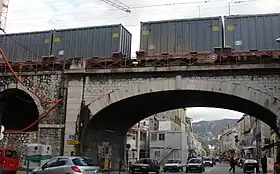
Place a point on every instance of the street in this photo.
(217, 169)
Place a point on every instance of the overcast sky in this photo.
(35, 15)
(206, 114)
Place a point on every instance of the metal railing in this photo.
(166, 152)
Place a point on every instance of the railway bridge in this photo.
(107, 102)
(98, 101)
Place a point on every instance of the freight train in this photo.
(236, 37)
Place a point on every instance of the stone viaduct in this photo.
(101, 105)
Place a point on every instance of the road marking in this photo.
(211, 169)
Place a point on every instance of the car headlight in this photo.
(96, 171)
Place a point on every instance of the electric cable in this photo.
(18, 79)
(56, 101)
(38, 120)
(143, 7)
(142, 13)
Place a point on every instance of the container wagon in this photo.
(184, 35)
(97, 42)
(39, 44)
(252, 32)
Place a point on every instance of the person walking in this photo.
(264, 164)
(72, 153)
(232, 165)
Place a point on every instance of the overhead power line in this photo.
(134, 15)
(136, 7)
(149, 6)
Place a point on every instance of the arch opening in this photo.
(18, 110)
(112, 122)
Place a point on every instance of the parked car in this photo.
(145, 165)
(195, 164)
(213, 161)
(173, 165)
(9, 160)
(207, 161)
(69, 165)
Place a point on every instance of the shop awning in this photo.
(269, 146)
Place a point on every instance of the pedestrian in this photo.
(232, 165)
(264, 164)
(72, 153)
(277, 164)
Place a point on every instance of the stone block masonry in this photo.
(91, 87)
(51, 128)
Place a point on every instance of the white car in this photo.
(207, 161)
(173, 165)
(69, 165)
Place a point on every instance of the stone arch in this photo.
(18, 110)
(20, 87)
(245, 92)
(106, 110)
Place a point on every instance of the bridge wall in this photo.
(51, 128)
(95, 86)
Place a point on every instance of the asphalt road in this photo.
(217, 169)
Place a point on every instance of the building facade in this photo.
(166, 145)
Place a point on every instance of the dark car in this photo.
(195, 164)
(145, 165)
(207, 161)
(213, 161)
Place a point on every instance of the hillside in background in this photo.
(207, 131)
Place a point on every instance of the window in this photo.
(81, 162)
(144, 161)
(142, 136)
(157, 154)
(11, 153)
(161, 137)
(51, 163)
(153, 136)
(195, 160)
(62, 161)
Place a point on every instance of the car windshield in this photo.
(144, 161)
(11, 153)
(195, 160)
(82, 162)
(173, 161)
(207, 159)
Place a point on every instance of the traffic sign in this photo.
(72, 142)
(71, 137)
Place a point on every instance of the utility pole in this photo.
(138, 141)
(229, 8)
